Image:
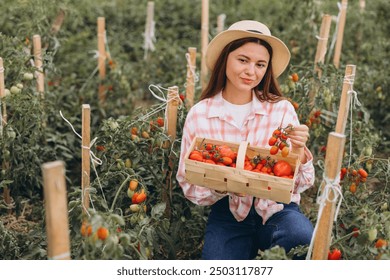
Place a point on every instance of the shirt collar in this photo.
(215, 107)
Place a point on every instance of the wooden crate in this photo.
(238, 180)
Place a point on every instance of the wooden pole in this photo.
(190, 83)
(221, 23)
(85, 155)
(5, 164)
(172, 108)
(320, 53)
(55, 27)
(345, 98)
(333, 161)
(340, 33)
(101, 23)
(322, 42)
(58, 22)
(38, 61)
(204, 41)
(2, 95)
(57, 228)
(362, 5)
(148, 29)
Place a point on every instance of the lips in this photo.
(247, 81)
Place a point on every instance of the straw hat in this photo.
(244, 29)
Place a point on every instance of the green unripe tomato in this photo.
(15, 90)
(28, 76)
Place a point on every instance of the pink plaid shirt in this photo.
(209, 119)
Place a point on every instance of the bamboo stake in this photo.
(172, 109)
(204, 41)
(5, 164)
(149, 29)
(85, 155)
(190, 83)
(333, 161)
(221, 23)
(38, 61)
(322, 43)
(101, 23)
(56, 209)
(340, 33)
(345, 98)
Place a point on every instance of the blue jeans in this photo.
(228, 239)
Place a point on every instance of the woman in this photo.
(243, 102)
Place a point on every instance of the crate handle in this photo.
(241, 153)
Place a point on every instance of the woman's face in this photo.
(246, 67)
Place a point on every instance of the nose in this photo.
(250, 70)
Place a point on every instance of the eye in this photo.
(243, 60)
(261, 65)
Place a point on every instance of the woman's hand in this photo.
(298, 136)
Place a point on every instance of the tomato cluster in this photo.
(225, 156)
(355, 177)
(137, 196)
(278, 141)
(314, 118)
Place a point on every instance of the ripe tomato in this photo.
(226, 160)
(102, 233)
(133, 184)
(141, 197)
(209, 146)
(381, 243)
(363, 173)
(100, 148)
(272, 141)
(196, 155)
(285, 151)
(276, 132)
(352, 188)
(160, 121)
(86, 229)
(282, 168)
(343, 172)
(274, 150)
(294, 77)
(209, 161)
(335, 254)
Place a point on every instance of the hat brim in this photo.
(280, 57)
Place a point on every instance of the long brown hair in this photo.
(267, 90)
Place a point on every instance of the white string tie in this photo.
(60, 256)
(324, 50)
(352, 94)
(191, 72)
(330, 187)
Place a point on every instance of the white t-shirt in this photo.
(239, 112)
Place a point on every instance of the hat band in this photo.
(255, 31)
